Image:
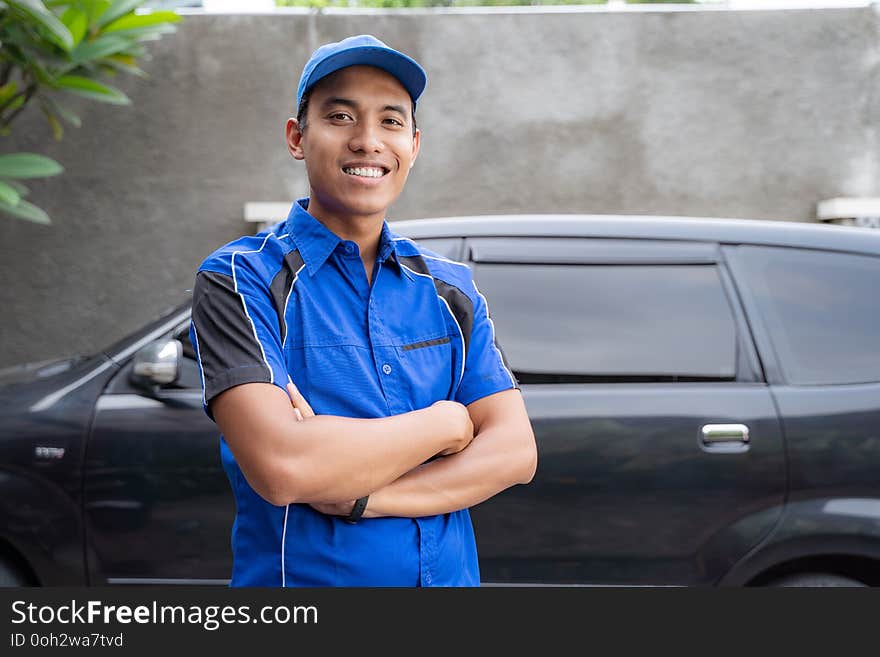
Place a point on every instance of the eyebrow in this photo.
(347, 102)
(396, 108)
(339, 101)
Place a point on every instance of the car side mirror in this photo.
(157, 364)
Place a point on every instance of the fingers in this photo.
(299, 402)
(299, 416)
(333, 508)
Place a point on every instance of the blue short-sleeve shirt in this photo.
(293, 303)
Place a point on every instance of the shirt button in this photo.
(386, 368)
(349, 249)
(427, 578)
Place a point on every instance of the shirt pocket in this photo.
(428, 369)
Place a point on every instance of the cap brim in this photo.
(405, 69)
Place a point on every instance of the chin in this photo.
(366, 207)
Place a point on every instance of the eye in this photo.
(339, 116)
(394, 122)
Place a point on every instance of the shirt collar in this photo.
(316, 242)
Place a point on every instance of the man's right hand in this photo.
(301, 407)
(458, 418)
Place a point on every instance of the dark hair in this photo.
(304, 108)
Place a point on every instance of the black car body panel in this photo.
(676, 444)
(46, 419)
(625, 494)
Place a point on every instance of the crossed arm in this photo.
(288, 454)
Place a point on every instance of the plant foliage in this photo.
(58, 47)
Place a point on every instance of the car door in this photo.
(816, 312)
(158, 506)
(661, 459)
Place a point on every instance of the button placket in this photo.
(377, 334)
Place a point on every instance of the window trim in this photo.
(589, 251)
(748, 366)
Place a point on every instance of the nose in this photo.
(366, 139)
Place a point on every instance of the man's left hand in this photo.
(334, 508)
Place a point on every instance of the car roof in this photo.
(709, 229)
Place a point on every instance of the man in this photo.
(354, 375)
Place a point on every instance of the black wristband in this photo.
(357, 510)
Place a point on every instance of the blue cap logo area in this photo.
(366, 50)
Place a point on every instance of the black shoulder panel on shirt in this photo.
(282, 284)
(459, 303)
(461, 306)
(226, 340)
(416, 263)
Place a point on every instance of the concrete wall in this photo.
(756, 114)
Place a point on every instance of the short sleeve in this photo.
(235, 334)
(485, 371)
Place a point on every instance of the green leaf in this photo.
(77, 22)
(62, 111)
(28, 165)
(43, 76)
(142, 20)
(8, 194)
(101, 47)
(137, 51)
(122, 63)
(117, 9)
(54, 123)
(36, 13)
(95, 9)
(17, 186)
(25, 210)
(7, 91)
(14, 105)
(92, 89)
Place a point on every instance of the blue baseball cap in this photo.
(367, 50)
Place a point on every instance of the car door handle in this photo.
(712, 434)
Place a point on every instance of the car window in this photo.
(611, 322)
(820, 309)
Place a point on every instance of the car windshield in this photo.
(162, 318)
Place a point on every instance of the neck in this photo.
(363, 230)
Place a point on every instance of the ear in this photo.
(294, 136)
(417, 141)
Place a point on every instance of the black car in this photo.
(705, 394)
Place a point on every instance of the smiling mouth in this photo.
(365, 172)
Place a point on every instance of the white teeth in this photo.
(366, 172)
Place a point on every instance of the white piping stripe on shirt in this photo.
(460, 333)
(199, 359)
(283, 539)
(287, 301)
(244, 304)
(492, 326)
(271, 373)
(451, 262)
